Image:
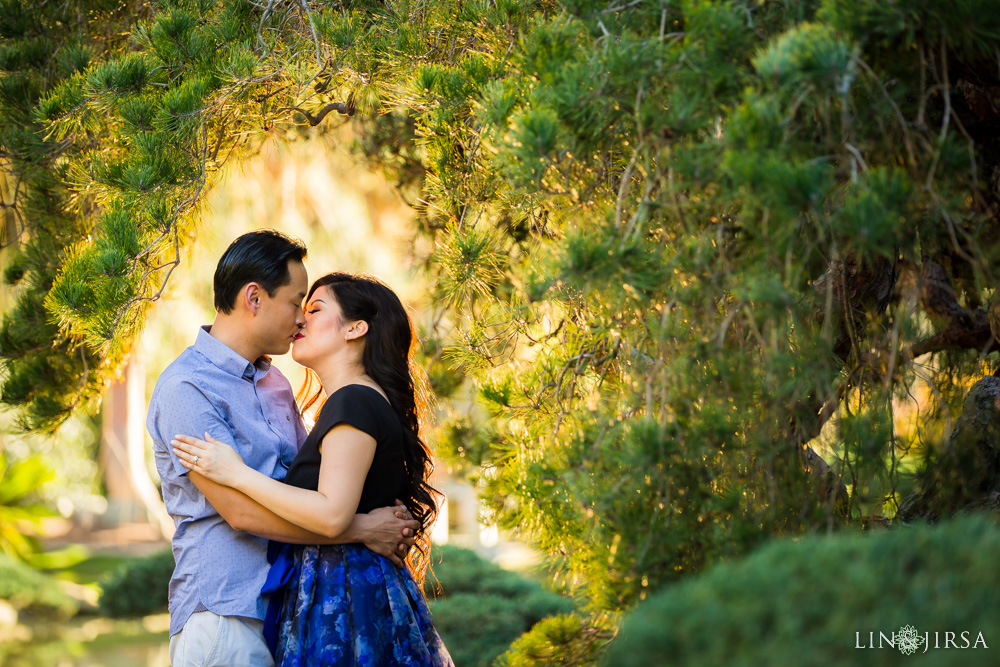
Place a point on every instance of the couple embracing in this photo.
(321, 523)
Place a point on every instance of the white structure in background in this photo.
(132, 495)
(458, 524)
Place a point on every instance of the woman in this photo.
(344, 604)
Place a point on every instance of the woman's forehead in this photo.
(322, 293)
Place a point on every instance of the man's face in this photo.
(280, 316)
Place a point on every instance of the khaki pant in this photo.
(210, 640)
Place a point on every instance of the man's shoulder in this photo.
(182, 365)
(187, 387)
(277, 378)
(189, 372)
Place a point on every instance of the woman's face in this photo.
(324, 330)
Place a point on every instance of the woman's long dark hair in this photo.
(388, 359)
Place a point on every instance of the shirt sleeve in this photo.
(178, 407)
(300, 431)
(355, 406)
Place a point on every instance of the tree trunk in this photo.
(966, 473)
(132, 496)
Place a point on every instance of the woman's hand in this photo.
(212, 458)
(392, 532)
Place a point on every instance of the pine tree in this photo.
(690, 255)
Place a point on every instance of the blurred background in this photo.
(82, 522)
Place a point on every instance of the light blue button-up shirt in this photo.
(210, 388)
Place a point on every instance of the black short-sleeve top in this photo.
(367, 410)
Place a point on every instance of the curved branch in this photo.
(959, 327)
(340, 107)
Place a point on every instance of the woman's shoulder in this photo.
(354, 401)
(353, 393)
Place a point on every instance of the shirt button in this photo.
(287, 418)
(268, 421)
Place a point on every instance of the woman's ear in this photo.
(251, 297)
(357, 329)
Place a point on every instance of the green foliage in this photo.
(479, 608)
(138, 587)
(676, 247)
(477, 628)
(19, 509)
(565, 639)
(48, 373)
(33, 593)
(471, 258)
(802, 602)
(462, 445)
(460, 570)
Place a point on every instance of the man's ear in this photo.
(251, 297)
(357, 329)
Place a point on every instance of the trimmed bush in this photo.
(481, 608)
(138, 587)
(811, 602)
(478, 607)
(33, 593)
(477, 628)
(459, 570)
(566, 639)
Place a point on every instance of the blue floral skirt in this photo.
(347, 605)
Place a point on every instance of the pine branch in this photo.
(339, 107)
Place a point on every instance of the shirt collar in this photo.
(228, 359)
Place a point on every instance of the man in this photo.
(224, 385)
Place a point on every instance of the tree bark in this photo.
(858, 290)
(958, 328)
(132, 496)
(966, 473)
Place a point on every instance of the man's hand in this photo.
(390, 531)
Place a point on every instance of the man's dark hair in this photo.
(261, 257)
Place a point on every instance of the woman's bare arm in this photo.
(329, 511)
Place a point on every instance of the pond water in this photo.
(97, 642)
(152, 653)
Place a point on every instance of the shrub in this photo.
(802, 603)
(478, 607)
(33, 593)
(18, 484)
(566, 639)
(477, 628)
(459, 570)
(138, 587)
(481, 608)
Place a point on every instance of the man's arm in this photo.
(183, 407)
(387, 531)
